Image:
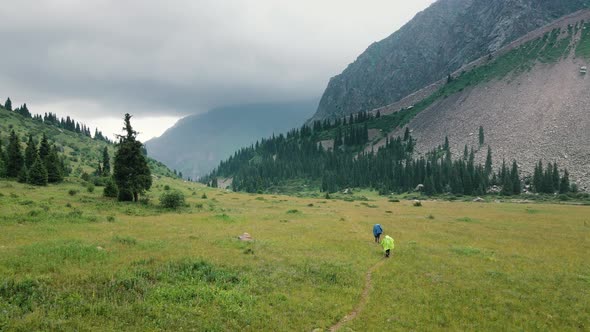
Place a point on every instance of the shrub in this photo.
(166, 187)
(90, 188)
(172, 199)
(110, 189)
(85, 176)
(111, 218)
(204, 196)
(72, 192)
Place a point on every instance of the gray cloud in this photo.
(179, 57)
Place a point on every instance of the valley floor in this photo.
(73, 260)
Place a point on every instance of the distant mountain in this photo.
(197, 143)
(438, 41)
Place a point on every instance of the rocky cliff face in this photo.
(436, 42)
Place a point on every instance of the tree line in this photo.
(392, 168)
(52, 119)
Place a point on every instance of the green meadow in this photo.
(73, 260)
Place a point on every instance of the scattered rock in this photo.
(99, 248)
(419, 187)
(479, 199)
(245, 237)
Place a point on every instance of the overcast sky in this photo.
(160, 60)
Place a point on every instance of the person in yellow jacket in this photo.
(387, 244)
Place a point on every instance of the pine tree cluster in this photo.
(38, 164)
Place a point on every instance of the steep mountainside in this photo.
(438, 41)
(196, 144)
(530, 97)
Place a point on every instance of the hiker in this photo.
(377, 231)
(387, 244)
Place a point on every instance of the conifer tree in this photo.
(44, 148)
(564, 186)
(465, 153)
(23, 175)
(106, 162)
(30, 153)
(55, 172)
(98, 171)
(488, 165)
(131, 171)
(37, 173)
(14, 157)
(481, 136)
(555, 177)
(516, 183)
(8, 104)
(110, 189)
(407, 134)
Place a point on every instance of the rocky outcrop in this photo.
(438, 41)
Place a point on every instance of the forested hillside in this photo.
(300, 156)
(78, 151)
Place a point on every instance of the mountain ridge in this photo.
(438, 41)
(197, 143)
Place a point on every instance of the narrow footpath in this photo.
(364, 298)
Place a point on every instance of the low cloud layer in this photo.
(172, 58)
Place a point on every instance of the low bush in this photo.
(110, 189)
(172, 199)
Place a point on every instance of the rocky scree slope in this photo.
(533, 103)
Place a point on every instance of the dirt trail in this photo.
(362, 302)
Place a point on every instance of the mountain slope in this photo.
(438, 41)
(196, 144)
(530, 97)
(82, 152)
(539, 111)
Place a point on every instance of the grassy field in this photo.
(72, 260)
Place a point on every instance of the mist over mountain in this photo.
(438, 41)
(197, 143)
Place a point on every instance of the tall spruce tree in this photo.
(555, 177)
(14, 156)
(8, 104)
(30, 153)
(37, 173)
(106, 162)
(44, 148)
(407, 134)
(131, 171)
(481, 136)
(564, 186)
(55, 172)
(515, 175)
(488, 166)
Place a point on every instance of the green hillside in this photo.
(82, 152)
